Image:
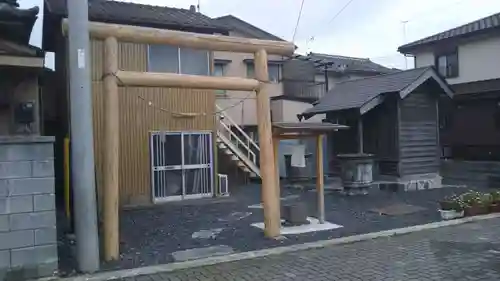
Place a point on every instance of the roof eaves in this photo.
(269, 36)
(485, 24)
(61, 12)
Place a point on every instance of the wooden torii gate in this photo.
(111, 34)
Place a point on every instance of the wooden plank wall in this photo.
(418, 134)
(137, 119)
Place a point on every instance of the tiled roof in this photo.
(239, 25)
(139, 14)
(350, 64)
(355, 93)
(469, 29)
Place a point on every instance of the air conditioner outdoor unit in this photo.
(223, 185)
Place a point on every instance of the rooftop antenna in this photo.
(404, 40)
(198, 6)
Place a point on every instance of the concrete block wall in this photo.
(28, 237)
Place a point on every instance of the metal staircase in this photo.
(238, 145)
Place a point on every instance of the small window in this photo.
(172, 59)
(274, 71)
(194, 62)
(250, 70)
(219, 71)
(163, 58)
(447, 64)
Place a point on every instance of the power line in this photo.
(298, 21)
(312, 38)
(340, 11)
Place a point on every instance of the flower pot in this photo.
(495, 207)
(451, 214)
(476, 210)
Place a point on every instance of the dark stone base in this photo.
(294, 213)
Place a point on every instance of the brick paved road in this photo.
(465, 252)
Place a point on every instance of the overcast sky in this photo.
(366, 28)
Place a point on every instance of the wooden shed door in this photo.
(181, 165)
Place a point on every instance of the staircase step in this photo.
(231, 149)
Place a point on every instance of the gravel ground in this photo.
(150, 235)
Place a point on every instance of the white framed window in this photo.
(172, 59)
(219, 71)
(274, 71)
(447, 64)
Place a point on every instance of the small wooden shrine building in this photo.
(393, 116)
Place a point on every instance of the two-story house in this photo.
(237, 105)
(468, 57)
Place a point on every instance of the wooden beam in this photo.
(147, 35)
(270, 200)
(320, 186)
(111, 151)
(294, 136)
(153, 79)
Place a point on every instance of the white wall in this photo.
(478, 60)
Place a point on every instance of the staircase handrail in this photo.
(231, 121)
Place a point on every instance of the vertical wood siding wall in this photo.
(137, 119)
(418, 134)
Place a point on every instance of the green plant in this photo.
(453, 202)
(495, 196)
(476, 199)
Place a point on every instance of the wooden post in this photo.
(270, 200)
(276, 144)
(320, 189)
(111, 151)
(67, 190)
(360, 134)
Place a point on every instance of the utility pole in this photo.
(81, 132)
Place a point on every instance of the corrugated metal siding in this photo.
(418, 134)
(137, 119)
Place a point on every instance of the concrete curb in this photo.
(147, 270)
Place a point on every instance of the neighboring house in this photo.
(305, 76)
(241, 106)
(468, 57)
(155, 123)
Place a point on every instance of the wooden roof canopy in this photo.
(284, 130)
(112, 33)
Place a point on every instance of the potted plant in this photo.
(495, 201)
(451, 208)
(476, 203)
